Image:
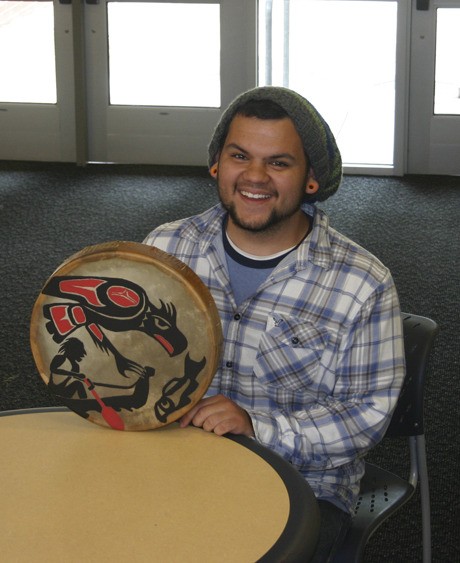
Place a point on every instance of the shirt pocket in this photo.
(288, 361)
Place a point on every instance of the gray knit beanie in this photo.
(317, 138)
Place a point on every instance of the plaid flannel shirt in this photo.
(315, 356)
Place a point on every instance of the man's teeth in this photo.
(255, 196)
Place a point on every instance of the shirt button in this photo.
(295, 340)
(229, 364)
(237, 317)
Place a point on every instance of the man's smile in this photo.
(251, 195)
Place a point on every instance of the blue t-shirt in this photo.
(246, 272)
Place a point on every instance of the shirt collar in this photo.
(315, 248)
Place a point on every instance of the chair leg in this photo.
(425, 497)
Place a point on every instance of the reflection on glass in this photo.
(164, 54)
(27, 60)
(341, 55)
(447, 80)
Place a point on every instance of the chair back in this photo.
(419, 335)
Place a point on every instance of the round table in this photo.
(74, 491)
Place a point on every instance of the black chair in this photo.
(382, 493)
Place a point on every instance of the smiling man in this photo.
(263, 175)
(313, 356)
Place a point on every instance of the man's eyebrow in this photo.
(282, 155)
(234, 146)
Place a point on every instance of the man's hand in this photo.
(220, 415)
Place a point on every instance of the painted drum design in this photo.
(126, 336)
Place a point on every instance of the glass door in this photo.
(135, 82)
(159, 73)
(145, 81)
(348, 57)
(434, 124)
(36, 86)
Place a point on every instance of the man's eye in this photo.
(239, 156)
(279, 164)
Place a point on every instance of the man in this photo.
(313, 355)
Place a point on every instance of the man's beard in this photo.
(272, 223)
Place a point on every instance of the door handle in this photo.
(423, 5)
(86, 1)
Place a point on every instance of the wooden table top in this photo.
(75, 491)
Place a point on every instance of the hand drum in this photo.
(126, 336)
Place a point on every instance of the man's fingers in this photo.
(188, 416)
(220, 415)
(192, 413)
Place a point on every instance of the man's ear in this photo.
(213, 170)
(312, 185)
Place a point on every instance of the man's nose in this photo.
(256, 172)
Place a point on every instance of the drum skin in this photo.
(126, 335)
